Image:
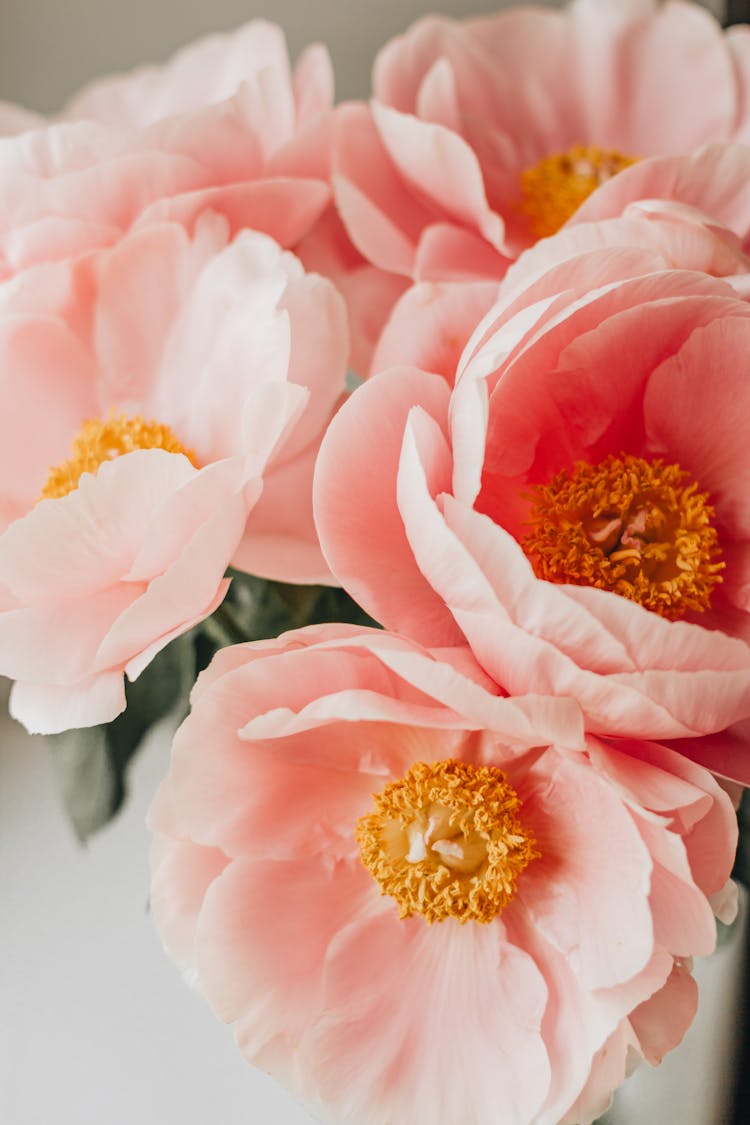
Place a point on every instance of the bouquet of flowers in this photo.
(409, 439)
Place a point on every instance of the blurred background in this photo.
(48, 48)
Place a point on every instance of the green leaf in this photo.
(91, 764)
(257, 608)
(90, 785)
(164, 683)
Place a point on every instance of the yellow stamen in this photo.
(98, 441)
(638, 528)
(556, 187)
(445, 842)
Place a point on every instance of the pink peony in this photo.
(335, 791)
(488, 133)
(225, 125)
(576, 508)
(180, 387)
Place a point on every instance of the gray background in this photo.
(50, 47)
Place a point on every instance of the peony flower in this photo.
(161, 406)
(418, 901)
(576, 507)
(224, 125)
(487, 134)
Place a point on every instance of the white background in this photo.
(96, 1027)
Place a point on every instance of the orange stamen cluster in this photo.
(98, 441)
(445, 842)
(555, 188)
(638, 528)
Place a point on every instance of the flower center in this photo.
(98, 441)
(445, 842)
(556, 187)
(638, 528)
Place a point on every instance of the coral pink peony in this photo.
(225, 125)
(487, 134)
(180, 387)
(576, 507)
(420, 902)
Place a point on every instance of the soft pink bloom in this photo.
(242, 356)
(609, 350)
(431, 177)
(530, 1015)
(225, 125)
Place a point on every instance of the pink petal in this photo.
(672, 784)
(381, 215)
(683, 919)
(548, 638)
(319, 353)
(442, 168)
(726, 753)
(142, 284)
(283, 208)
(451, 1032)
(365, 434)
(602, 925)
(661, 1021)
(430, 326)
(313, 83)
(437, 100)
(738, 43)
(252, 961)
(449, 253)
(280, 540)
(186, 591)
(47, 388)
(703, 374)
(87, 541)
(678, 53)
(51, 708)
(181, 875)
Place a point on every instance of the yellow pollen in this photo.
(556, 187)
(638, 528)
(445, 842)
(98, 441)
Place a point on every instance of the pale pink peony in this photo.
(442, 176)
(225, 125)
(238, 359)
(609, 352)
(573, 950)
